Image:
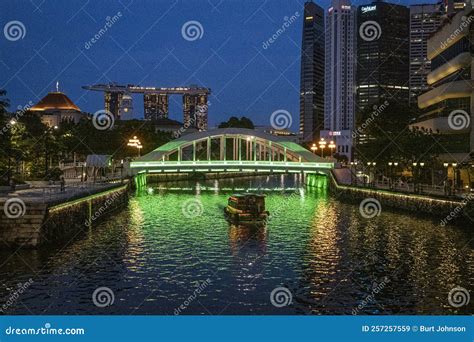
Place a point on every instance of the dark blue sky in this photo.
(145, 47)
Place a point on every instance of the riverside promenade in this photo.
(428, 200)
(41, 215)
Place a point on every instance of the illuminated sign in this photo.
(368, 9)
(334, 133)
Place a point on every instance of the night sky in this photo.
(145, 46)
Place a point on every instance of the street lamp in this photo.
(314, 148)
(135, 143)
(322, 145)
(332, 146)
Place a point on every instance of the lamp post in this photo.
(322, 145)
(135, 142)
(353, 172)
(416, 175)
(371, 164)
(454, 177)
(332, 146)
(314, 148)
(390, 175)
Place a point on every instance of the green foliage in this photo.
(383, 135)
(31, 150)
(235, 122)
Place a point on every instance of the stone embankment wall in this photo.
(45, 223)
(434, 206)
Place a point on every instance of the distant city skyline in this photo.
(145, 46)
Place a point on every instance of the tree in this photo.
(235, 122)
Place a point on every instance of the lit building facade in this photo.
(382, 54)
(126, 108)
(312, 73)
(424, 20)
(156, 106)
(56, 108)
(451, 52)
(339, 113)
(112, 102)
(195, 109)
(119, 102)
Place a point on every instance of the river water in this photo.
(171, 251)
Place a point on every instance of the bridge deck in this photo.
(230, 166)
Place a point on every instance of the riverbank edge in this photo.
(447, 210)
(47, 223)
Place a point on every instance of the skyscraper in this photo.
(195, 109)
(126, 107)
(382, 54)
(424, 20)
(340, 75)
(112, 102)
(155, 106)
(312, 73)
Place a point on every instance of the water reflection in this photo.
(330, 257)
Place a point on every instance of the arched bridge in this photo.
(231, 150)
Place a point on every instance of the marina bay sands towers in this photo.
(118, 101)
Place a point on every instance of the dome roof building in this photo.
(55, 108)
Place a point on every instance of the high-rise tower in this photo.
(312, 73)
(341, 40)
(382, 54)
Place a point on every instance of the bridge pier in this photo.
(316, 180)
(140, 181)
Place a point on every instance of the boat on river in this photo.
(246, 208)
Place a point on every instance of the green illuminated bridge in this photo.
(231, 150)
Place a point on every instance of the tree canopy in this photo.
(235, 122)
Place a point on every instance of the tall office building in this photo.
(340, 76)
(382, 54)
(424, 20)
(312, 73)
(195, 110)
(126, 107)
(112, 102)
(156, 106)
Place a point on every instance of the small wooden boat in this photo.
(246, 208)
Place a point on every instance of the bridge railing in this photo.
(231, 163)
